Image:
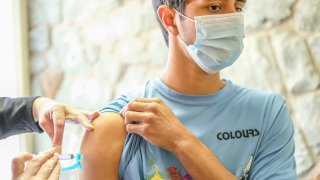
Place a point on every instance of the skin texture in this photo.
(102, 147)
(53, 115)
(42, 166)
(157, 123)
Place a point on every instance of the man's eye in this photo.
(239, 9)
(215, 8)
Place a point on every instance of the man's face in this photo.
(202, 8)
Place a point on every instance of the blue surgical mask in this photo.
(219, 40)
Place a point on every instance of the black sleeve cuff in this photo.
(34, 126)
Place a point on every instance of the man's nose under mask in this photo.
(219, 40)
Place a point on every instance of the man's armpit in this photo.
(102, 147)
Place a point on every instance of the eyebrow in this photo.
(244, 1)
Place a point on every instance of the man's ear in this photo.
(166, 16)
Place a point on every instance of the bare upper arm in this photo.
(102, 147)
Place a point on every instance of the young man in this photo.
(188, 123)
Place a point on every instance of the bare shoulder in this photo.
(102, 147)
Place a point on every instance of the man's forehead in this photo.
(244, 1)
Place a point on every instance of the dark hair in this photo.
(179, 5)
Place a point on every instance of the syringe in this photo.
(66, 156)
(76, 159)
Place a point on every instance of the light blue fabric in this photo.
(234, 123)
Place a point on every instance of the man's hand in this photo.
(52, 116)
(42, 166)
(155, 122)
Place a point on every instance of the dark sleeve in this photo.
(16, 116)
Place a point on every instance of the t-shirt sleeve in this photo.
(117, 104)
(274, 158)
(133, 140)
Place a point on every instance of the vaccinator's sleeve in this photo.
(16, 116)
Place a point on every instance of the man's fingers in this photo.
(17, 165)
(36, 162)
(58, 116)
(132, 117)
(152, 106)
(123, 111)
(137, 106)
(134, 129)
(48, 167)
(147, 100)
(55, 173)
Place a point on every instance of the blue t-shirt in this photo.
(250, 132)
